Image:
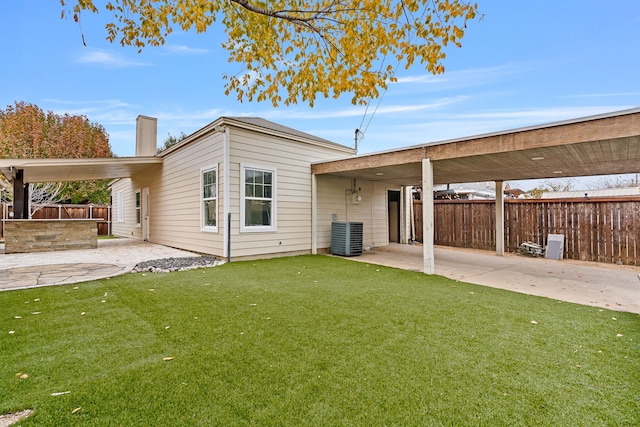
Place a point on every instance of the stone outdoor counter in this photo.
(45, 235)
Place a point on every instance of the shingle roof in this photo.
(266, 124)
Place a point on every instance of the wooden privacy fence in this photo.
(603, 230)
(67, 212)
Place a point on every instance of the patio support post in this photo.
(18, 194)
(406, 214)
(314, 214)
(427, 217)
(500, 218)
(26, 202)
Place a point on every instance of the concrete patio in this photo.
(113, 257)
(601, 285)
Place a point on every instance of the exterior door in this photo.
(145, 213)
(393, 211)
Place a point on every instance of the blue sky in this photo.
(525, 63)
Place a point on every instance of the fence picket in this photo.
(603, 230)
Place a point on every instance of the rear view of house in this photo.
(242, 187)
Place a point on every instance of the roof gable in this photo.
(272, 126)
(258, 124)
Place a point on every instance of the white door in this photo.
(145, 214)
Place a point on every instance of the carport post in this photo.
(314, 214)
(499, 218)
(407, 200)
(427, 217)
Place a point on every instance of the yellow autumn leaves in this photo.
(295, 50)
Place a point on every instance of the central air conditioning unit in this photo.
(346, 238)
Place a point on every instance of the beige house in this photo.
(249, 188)
(242, 188)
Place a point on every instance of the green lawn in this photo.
(312, 341)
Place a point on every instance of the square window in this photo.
(258, 211)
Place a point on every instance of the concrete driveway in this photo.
(601, 285)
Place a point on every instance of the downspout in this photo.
(226, 202)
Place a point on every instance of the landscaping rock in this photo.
(10, 419)
(167, 265)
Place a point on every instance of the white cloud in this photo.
(184, 50)
(534, 115)
(601, 95)
(101, 103)
(465, 78)
(109, 59)
(356, 111)
(103, 111)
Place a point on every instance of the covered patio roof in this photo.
(596, 145)
(58, 170)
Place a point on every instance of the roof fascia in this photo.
(218, 124)
(284, 135)
(507, 132)
(214, 126)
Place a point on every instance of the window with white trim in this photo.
(120, 200)
(138, 208)
(258, 194)
(209, 198)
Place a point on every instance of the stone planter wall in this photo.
(29, 235)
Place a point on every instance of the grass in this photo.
(312, 341)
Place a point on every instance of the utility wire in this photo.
(366, 110)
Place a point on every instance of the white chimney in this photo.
(146, 136)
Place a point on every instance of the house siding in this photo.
(292, 162)
(175, 195)
(371, 210)
(127, 228)
(175, 198)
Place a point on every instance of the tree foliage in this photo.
(552, 185)
(26, 131)
(293, 50)
(560, 184)
(536, 193)
(170, 142)
(616, 181)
